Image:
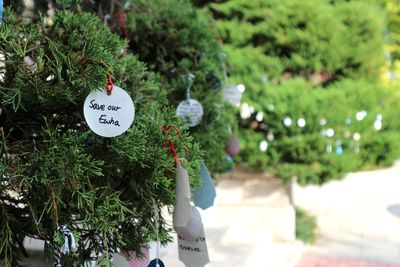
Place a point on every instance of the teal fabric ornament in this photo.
(1, 10)
(204, 196)
(229, 164)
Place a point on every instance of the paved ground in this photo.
(314, 260)
(358, 217)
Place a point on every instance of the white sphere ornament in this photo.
(356, 136)
(287, 121)
(378, 125)
(245, 112)
(263, 146)
(260, 116)
(330, 132)
(361, 115)
(301, 123)
(241, 88)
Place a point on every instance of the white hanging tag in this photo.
(232, 94)
(182, 210)
(109, 115)
(192, 230)
(194, 253)
(190, 111)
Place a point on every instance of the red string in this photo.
(109, 84)
(166, 130)
(122, 19)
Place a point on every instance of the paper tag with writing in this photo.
(190, 111)
(231, 94)
(109, 115)
(193, 228)
(193, 253)
(204, 196)
(182, 209)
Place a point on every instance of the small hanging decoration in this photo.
(232, 93)
(109, 112)
(193, 252)
(233, 147)
(1, 11)
(287, 121)
(182, 209)
(339, 148)
(204, 196)
(156, 262)
(229, 164)
(190, 110)
(68, 246)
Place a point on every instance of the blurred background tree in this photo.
(314, 107)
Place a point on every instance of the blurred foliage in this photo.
(314, 60)
(291, 37)
(304, 152)
(306, 226)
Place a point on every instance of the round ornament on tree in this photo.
(233, 148)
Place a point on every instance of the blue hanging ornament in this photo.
(204, 196)
(228, 164)
(1, 10)
(154, 263)
(339, 150)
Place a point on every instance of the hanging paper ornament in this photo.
(323, 122)
(1, 11)
(204, 196)
(301, 123)
(287, 121)
(339, 148)
(330, 132)
(156, 263)
(194, 253)
(192, 229)
(361, 115)
(232, 94)
(263, 145)
(182, 209)
(377, 125)
(190, 111)
(229, 164)
(109, 115)
(233, 148)
(270, 136)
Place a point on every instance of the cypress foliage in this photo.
(55, 171)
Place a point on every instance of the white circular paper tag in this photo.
(109, 115)
(231, 94)
(190, 111)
